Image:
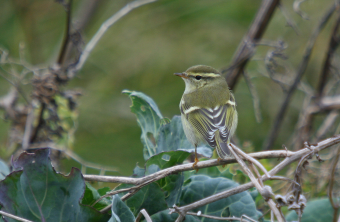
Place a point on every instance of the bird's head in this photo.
(199, 76)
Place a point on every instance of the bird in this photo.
(208, 109)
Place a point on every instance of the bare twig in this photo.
(185, 167)
(13, 216)
(145, 214)
(327, 123)
(104, 27)
(254, 95)
(301, 70)
(287, 161)
(245, 49)
(333, 44)
(28, 128)
(265, 194)
(62, 54)
(290, 22)
(221, 218)
(296, 7)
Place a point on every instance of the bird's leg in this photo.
(219, 159)
(196, 159)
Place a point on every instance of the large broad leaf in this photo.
(199, 187)
(212, 172)
(172, 137)
(164, 216)
(160, 134)
(316, 211)
(172, 184)
(91, 195)
(151, 198)
(148, 118)
(120, 212)
(36, 192)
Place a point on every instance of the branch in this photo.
(199, 214)
(287, 161)
(264, 191)
(13, 216)
(245, 49)
(145, 214)
(333, 44)
(185, 167)
(301, 70)
(104, 27)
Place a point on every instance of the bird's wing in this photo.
(208, 120)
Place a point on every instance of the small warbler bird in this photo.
(208, 109)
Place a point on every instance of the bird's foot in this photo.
(218, 160)
(195, 164)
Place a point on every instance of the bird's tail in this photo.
(222, 148)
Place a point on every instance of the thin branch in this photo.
(13, 216)
(221, 218)
(104, 27)
(40, 123)
(28, 128)
(62, 55)
(287, 161)
(301, 70)
(258, 185)
(327, 124)
(255, 97)
(289, 21)
(296, 7)
(245, 49)
(185, 167)
(145, 214)
(333, 44)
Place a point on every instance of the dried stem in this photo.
(287, 161)
(105, 26)
(145, 214)
(301, 70)
(258, 185)
(221, 218)
(13, 216)
(246, 47)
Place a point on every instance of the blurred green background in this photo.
(143, 50)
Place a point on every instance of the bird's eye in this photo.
(198, 77)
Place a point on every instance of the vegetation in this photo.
(60, 115)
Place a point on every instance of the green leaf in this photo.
(36, 192)
(167, 159)
(160, 134)
(120, 212)
(316, 211)
(212, 172)
(150, 197)
(172, 137)
(91, 195)
(200, 186)
(148, 118)
(138, 172)
(164, 216)
(172, 184)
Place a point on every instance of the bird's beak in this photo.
(183, 75)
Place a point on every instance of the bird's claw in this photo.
(195, 164)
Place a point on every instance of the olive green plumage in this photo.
(208, 109)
